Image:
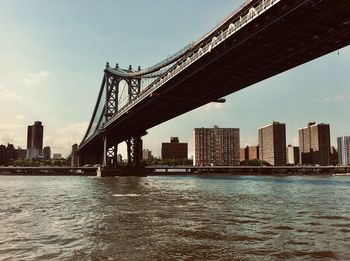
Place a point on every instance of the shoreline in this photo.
(179, 170)
(164, 174)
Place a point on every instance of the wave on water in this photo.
(126, 195)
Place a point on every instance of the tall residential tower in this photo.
(216, 146)
(344, 150)
(272, 144)
(35, 140)
(315, 144)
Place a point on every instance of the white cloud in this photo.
(337, 98)
(10, 127)
(20, 117)
(214, 106)
(65, 137)
(35, 78)
(6, 94)
(8, 133)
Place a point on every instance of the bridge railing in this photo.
(204, 46)
(186, 56)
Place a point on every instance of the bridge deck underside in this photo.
(282, 38)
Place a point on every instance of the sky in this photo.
(53, 53)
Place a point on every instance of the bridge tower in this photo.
(134, 141)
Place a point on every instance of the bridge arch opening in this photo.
(123, 97)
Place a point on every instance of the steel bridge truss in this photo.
(134, 143)
(134, 150)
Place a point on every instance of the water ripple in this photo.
(174, 218)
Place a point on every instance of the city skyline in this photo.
(52, 71)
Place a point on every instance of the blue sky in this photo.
(53, 54)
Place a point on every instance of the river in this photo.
(174, 218)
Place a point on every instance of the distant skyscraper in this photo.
(75, 157)
(146, 154)
(35, 140)
(292, 155)
(315, 144)
(344, 150)
(47, 152)
(217, 146)
(272, 144)
(174, 149)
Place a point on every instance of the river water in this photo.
(174, 218)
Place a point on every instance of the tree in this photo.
(255, 162)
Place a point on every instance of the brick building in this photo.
(272, 144)
(174, 149)
(315, 144)
(216, 146)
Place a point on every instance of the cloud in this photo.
(65, 137)
(214, 106)
(35, 78)
(7, 95)
(338, 98)
(9, 131)
(20, 117)
(10, 127)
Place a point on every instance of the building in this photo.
(47, 152)
(272, 144)
(244, 153)
(147, 154)
(216, 146)
(35, 140)
(57, 156)
(292, 155)
(315, 144)
(74, 156)
(249, 153)
(174, 149)
(3, 156)
(333, 156)
(253, 152)
(21, 153)
(8, 154)
(119, 159)
(344, 150)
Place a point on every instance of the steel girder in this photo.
(134, 143)
(112, 91)
(134, 88)
(134, 149)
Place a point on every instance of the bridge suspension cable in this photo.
(176, 62)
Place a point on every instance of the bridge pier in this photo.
(134, 153)
(74, 160)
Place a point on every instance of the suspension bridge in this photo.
(260, 39)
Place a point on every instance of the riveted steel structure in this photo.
(260, 39)
(134, 142)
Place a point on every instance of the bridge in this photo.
(260, 39)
